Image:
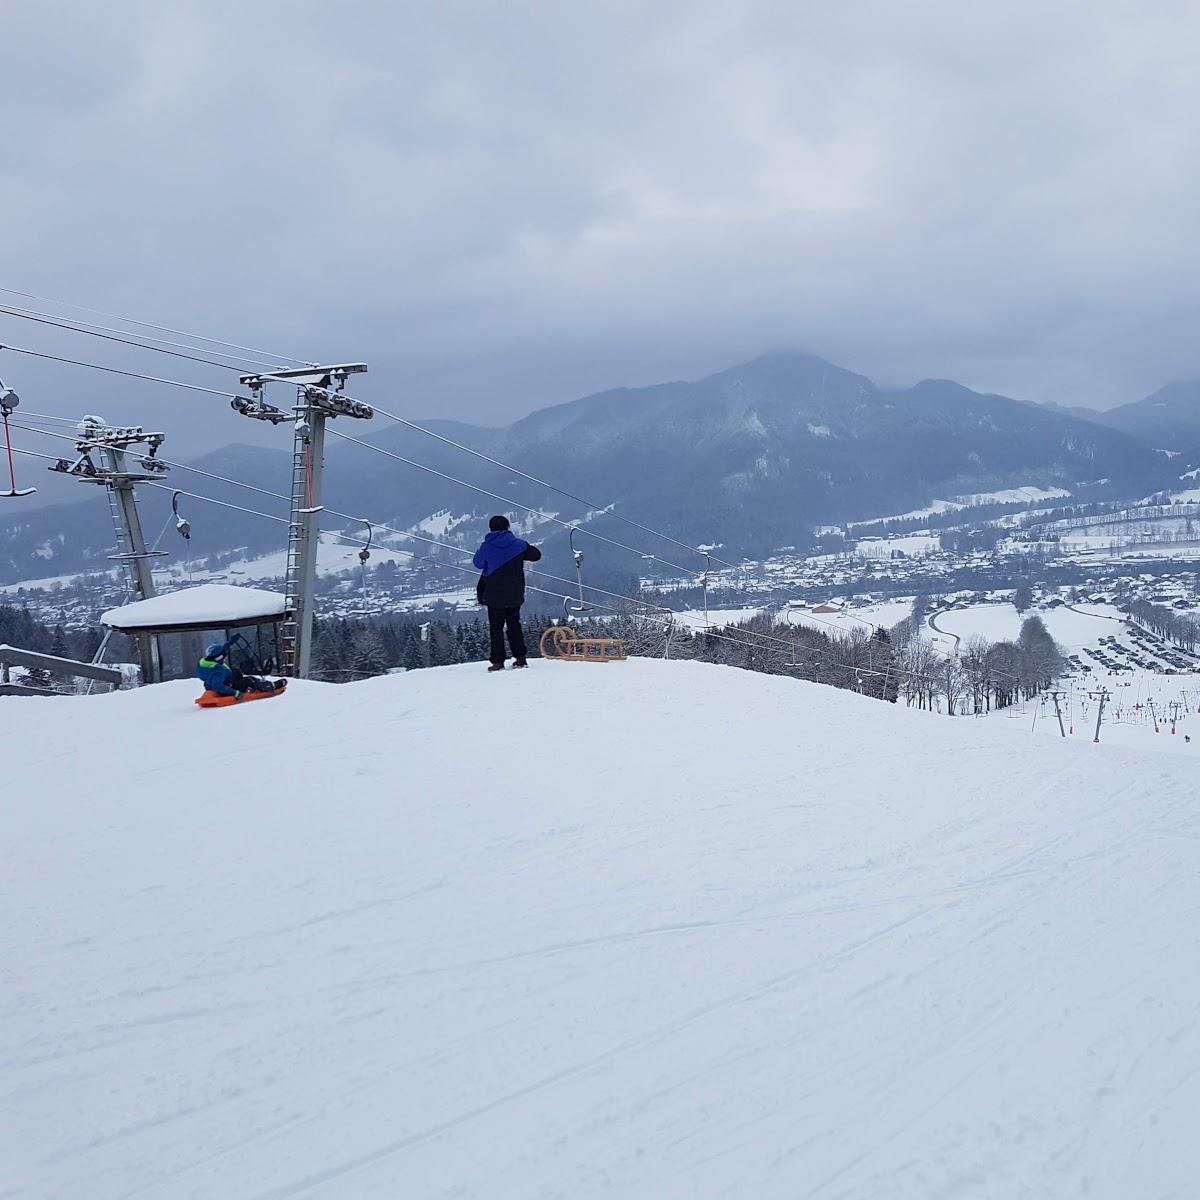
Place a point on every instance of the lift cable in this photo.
(195, 337)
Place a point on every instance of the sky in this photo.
(501, 206)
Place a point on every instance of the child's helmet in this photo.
(216, 650)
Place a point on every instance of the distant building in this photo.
(826, 608)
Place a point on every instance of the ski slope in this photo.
(643, 930)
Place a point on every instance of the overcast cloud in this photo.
(501, 206)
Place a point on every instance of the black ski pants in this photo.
(248, 683)
(500, 619)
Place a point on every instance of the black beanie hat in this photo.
(496, 524)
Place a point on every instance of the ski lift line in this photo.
(661, 609)
(166, 462)
(90, 326)
(411, 462)
(196, 337)
(250, 487)
(542, 574)
(725, 635)
(467, 553)
(111, 336)
(28, 416)
(166, 487)
(589, 504)
(105, 332)
(66, 437)
(348, 517)
(75, 362)
(507, 500)
(403, 533)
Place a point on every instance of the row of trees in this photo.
(889, 666)
(981, 675)
(1182, 628)
(345, 650)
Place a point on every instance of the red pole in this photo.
(12, 475)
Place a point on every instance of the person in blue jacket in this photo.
(501, 589)
(218, 676)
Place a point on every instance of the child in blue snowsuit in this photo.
(219, 677)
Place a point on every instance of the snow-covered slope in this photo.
(638, 930)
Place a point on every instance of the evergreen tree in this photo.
(369, 658)
(414, 655)
(38, 677)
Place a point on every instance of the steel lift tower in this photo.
(318, 397)
(118, 476)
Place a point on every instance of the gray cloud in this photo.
(501, 206)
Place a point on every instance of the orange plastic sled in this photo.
(212, 700)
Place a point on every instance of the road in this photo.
(932, 620)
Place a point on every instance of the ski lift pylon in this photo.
(9, 401)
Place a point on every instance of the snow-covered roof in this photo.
(208, 606)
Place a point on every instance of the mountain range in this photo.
(1169, 419)
(751, 458)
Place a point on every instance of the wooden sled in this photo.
(212, 700)
(564, 644)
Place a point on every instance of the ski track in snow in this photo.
(648, 930)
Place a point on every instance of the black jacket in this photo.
(505, 586)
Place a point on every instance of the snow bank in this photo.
(642, 930)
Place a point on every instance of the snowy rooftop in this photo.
(209, 606)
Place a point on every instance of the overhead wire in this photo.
(725, 633)
(75, 362)
(537, 512)
(661, 609)
(166, 487)
(591, 505)
(26, 415)
(35, 454)
(195, 337)
(111, 335)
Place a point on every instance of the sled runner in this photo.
(563, 643)
(212, 700)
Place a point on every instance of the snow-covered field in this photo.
(1016, 495)
(914, 545)
(1136, 694)
(641, 930)
(1070, 628)
(852, 620)
(849, 620)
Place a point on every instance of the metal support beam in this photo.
(116, 475)
(10, 656)
(1103, 695)
(304, 530)
(1056, 697)
(318, 399)
(136, 554)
